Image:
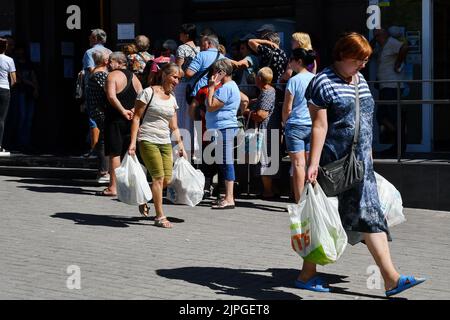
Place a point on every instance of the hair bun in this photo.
(312, 54)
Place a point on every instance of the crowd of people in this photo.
(255, 86)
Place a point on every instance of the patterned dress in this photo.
(266, 102)
(138, 61)
(96, 98)
(359, 208)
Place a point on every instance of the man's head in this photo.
(11, 45)
(381, 36)
(98, 36)
(3, 45)
(210, 41)
(117, 60)
(272, 37)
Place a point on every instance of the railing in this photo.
(400, 101)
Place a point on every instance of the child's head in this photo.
(264, 77)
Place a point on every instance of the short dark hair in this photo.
(3, 45)
(189, 29)
(306, 56)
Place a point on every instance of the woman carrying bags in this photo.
(157, 107)
(335, 96)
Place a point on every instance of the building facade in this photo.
(57, 50)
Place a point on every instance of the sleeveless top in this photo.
(127, 98)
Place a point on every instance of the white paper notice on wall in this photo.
(5, 33)
(125, 31)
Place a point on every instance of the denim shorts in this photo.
(298, 138)
(92, 123)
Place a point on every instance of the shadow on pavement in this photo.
(249, 205)
(66, 190)
(107, 221)
(232, 282)
(253, 284)
(58, 182)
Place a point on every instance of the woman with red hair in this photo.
(332, 97)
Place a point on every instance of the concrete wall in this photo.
(422, 184)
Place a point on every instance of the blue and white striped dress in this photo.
(359, 208)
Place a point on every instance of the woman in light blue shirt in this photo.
(296, 116)
(222, 107)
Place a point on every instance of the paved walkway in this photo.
(47, 226)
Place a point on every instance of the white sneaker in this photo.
(104, 179)
(4, 153)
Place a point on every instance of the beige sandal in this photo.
(163, 223)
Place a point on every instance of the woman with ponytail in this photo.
(296, 118)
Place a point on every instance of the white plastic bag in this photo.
(391, 201)
(187, 185)
(132, 185)
(317, 234)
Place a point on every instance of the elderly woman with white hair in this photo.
(138, 61)
(221, 116)
(96, 104)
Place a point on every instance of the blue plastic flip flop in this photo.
(315, 284)
(405, 283)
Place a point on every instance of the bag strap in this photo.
(248, 120)
(148, 105)
(194, 50)
(143, 58)
(205, 72)
(358, 111)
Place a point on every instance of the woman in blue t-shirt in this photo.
(296, 116)
(221, 117)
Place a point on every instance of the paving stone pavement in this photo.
(47, 226)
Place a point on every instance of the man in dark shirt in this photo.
(270, 54)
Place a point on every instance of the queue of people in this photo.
(137, 102)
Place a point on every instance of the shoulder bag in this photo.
(344, 174)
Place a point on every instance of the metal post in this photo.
(248, 179)
(399, 124)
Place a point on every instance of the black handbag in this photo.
(344, 174)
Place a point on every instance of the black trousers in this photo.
(5, 97)
(387, 116)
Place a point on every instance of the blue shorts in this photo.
(298, 138)
(92, 123)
